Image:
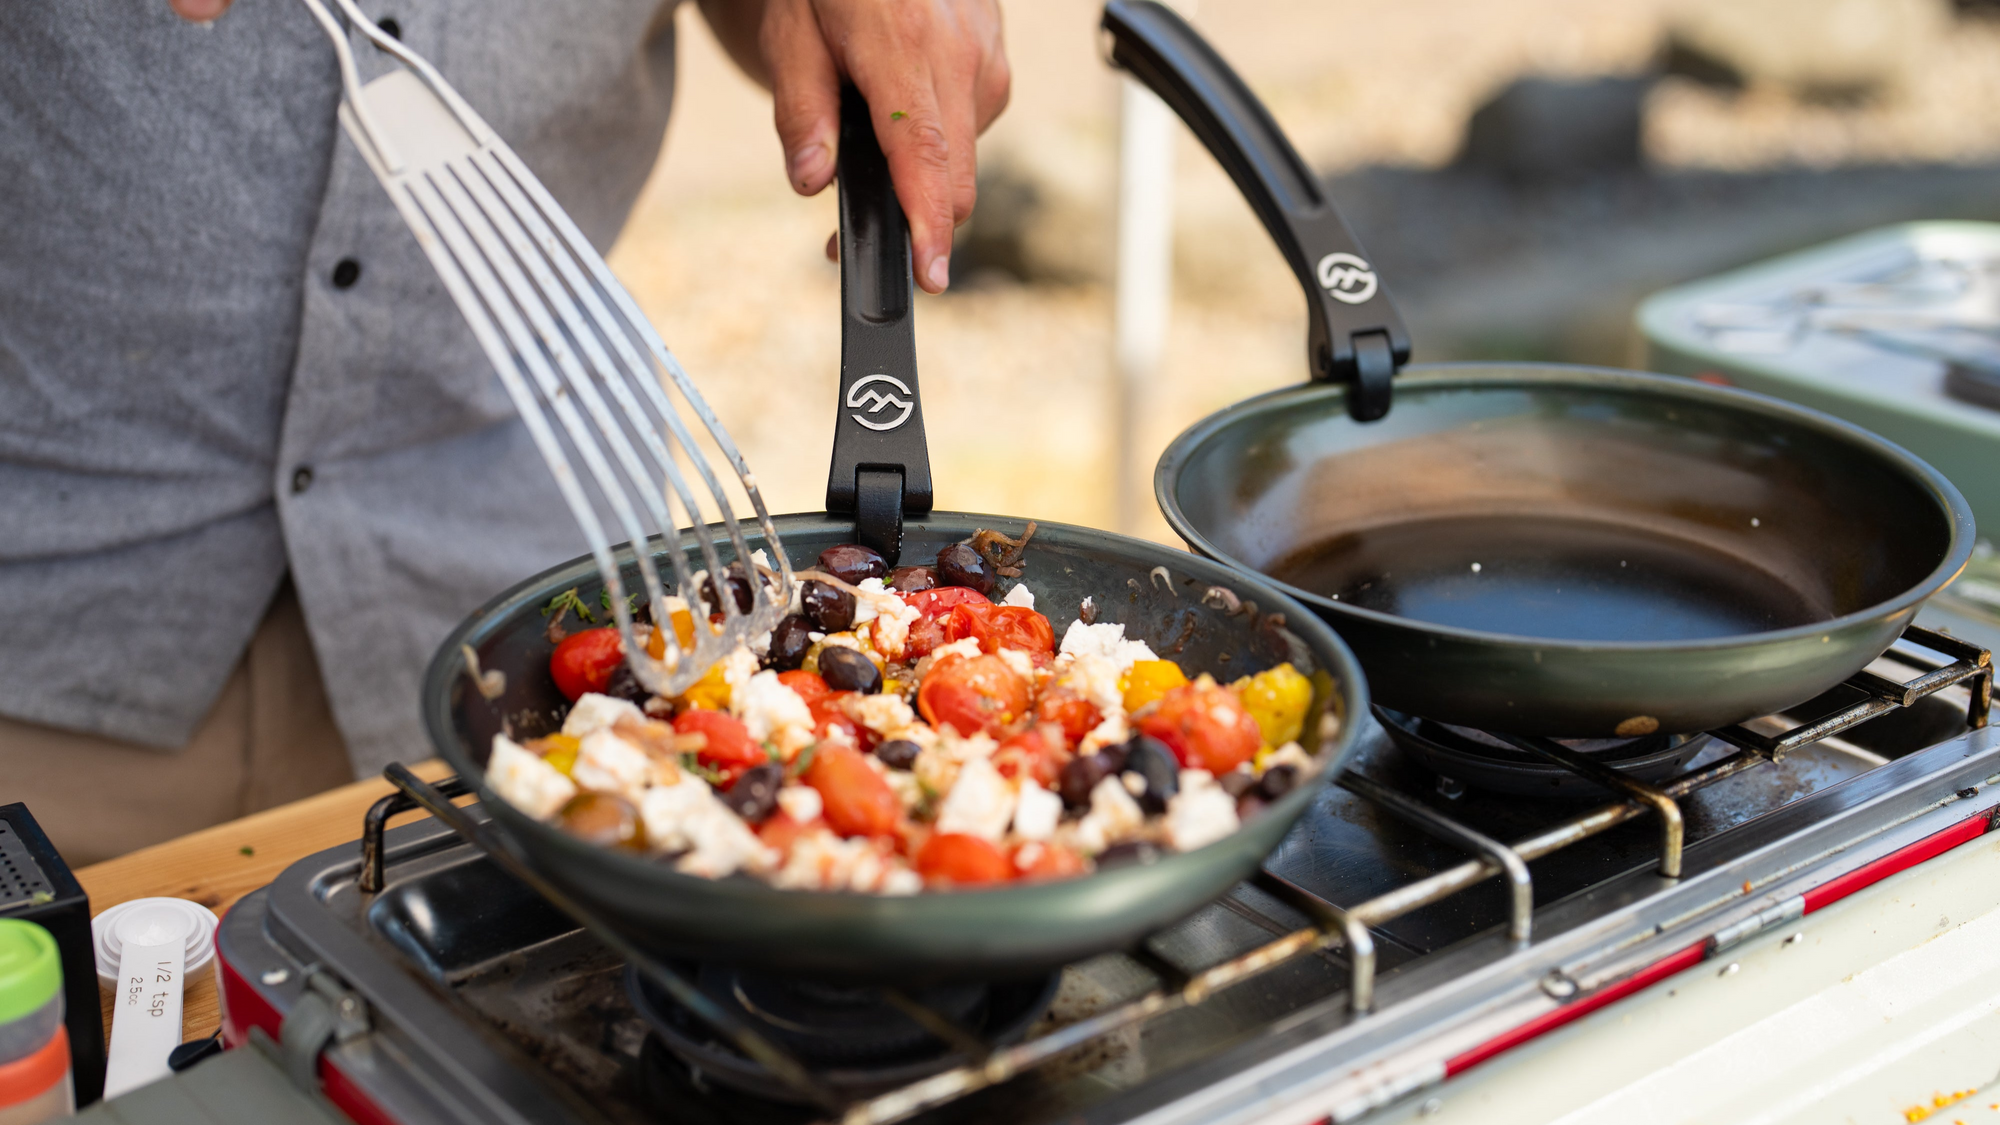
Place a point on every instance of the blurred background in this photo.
(1522, 173)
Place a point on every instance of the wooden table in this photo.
(219, 865)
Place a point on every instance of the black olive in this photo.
(1237, 782)
(960, 565)
(1128, 854)
(1277, 781)
(1114, 755)
(789, 641)
(1081, 776)
(739, 585)
(755, 794)
(830, 607)
(1153, 763)
(624, 684)
(912, 579)
(898, 753)
(852, 563)
(845, 669)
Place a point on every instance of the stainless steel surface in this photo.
(560, 330)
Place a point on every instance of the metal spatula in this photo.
(568, 341)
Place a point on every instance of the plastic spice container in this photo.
(34, 1047)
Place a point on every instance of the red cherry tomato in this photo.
(780, 831)
(1000, 626)
(1068, 709)
(857, 801)
(729, 744)
(939, 601)
(584, 661)
(1039, 752)
(1046, 861)
(973, 694)
(806, 685)
(1206, 726)
(828, 712)
(955, 858)
(926, 634)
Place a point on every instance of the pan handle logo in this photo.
(875, 401)
(1347, 278)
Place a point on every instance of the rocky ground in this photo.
(1741, 150)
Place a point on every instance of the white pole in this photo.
(1144, 295)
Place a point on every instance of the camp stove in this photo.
(1512, 930)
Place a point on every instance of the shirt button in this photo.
(302, 479)
(346, 272)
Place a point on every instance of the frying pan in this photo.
(1198, 612)
(1532, 548)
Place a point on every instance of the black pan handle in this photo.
(1354, 334)
(881, 462)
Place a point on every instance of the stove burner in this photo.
(856, 1040)
(1463, 756)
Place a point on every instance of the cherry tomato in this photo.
(953, 857)
(938, 602)
(1039, 752)
(1000, 626)
(1041, 860)
(1068, 709)
(1206, 726)
(729, 743)
(926, 634)
(828, 712)
(857, 801)
(780, 831)
(584, 661)
(806, 685)
(973, 694)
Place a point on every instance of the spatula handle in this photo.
(1354, 334)
(881, 461)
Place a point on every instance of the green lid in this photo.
(30, 968)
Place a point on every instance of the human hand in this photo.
(198, 11)
(935, 76)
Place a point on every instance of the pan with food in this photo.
(1531, 548)
(975, 748)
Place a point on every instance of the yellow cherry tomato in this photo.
(710, 693)
(558, 750)
(1278, 700)
(1148, 681)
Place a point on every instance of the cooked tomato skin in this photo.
(857, 801)
(828, 712)
(1206, 726)
(961, 860)
(973, 694)
(729, 742)
(1046, 861)
(806, 685)
(1039, 752)
(1000, 626)
(1069, 710)
(780, 831)
(927, 632)
(584, 661)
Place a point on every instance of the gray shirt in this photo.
(196, 395)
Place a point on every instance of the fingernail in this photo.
(805, 165)
(939, 273)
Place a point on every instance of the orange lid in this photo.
(28, 1078)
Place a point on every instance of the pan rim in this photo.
(1488, 375)
(1351, 689)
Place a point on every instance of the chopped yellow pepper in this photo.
(683, 621)
(1278, 700)
(558, 750)
(710, 693)
(1148, 681)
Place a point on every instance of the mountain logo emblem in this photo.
(1347, 278)
(876, 400)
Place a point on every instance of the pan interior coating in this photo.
(1594, 512)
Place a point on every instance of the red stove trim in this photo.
(245, 1007)
(1576, 1009)
(1826, 894)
